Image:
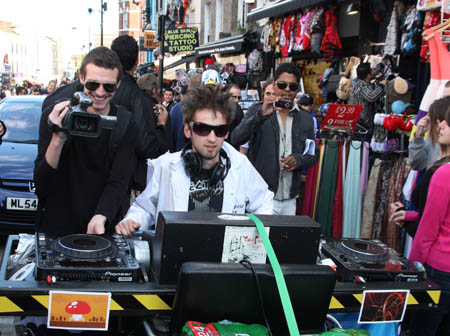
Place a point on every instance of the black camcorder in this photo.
(79, 122)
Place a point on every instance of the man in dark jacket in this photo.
(80, 183)
(281, 139)
(131, 96)
(149, 85)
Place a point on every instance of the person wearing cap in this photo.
(282, 141)
(365, 93)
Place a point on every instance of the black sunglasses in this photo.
(283, 85)
(236, 97)
(92, 86)
(204, 129)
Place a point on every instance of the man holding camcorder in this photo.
(281, 139)
(82, 170)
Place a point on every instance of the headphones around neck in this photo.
(192, 162)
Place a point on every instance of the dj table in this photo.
(31, 297)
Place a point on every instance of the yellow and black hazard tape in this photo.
(21, 304)
(353, 301)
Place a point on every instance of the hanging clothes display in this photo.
(364, 169)
(369, 204)
(319, 176)
(331, 44)
(324, 212)
(338, 202)
(351, 227)
(444, 61)
(435, 80)
(431, 19)
(381, 203)
(392, 36)
(310, 189)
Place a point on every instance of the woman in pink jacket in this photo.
(431, 245)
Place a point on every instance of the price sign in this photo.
(342, 117)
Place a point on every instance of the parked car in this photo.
(18, 202)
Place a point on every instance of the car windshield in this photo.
(21, 120)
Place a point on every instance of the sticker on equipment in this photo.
(243, 242)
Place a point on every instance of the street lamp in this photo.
(103, 8)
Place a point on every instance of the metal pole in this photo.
(162, 29)
(101, 24)
(89, 39)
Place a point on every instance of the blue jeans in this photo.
(427, 322)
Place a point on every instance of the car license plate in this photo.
(19, 203)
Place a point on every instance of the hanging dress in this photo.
(331, 44)
(338, 197)
(327, 188)
(430, 94)
(352, 193)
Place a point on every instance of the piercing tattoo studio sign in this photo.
(183, 39)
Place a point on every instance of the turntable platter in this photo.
(364, 250)
(84, 246)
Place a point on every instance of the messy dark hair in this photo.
(126, 47)
(104, 58)
(207, 97)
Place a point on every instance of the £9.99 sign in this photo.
(342, 117)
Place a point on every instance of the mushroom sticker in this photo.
(77, 309)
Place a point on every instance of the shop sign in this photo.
(150, 41)
(183, 39)
(218, 50)
(342, 117)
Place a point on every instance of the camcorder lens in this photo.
(84, 124)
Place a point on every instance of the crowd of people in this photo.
(180, 156)
(29, 88)
(204, 154)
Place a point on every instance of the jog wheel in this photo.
(84, 246)
(364, 250)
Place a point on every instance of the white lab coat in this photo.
(168, 188)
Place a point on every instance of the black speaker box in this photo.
(193, 236)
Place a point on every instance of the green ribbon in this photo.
(279, 277)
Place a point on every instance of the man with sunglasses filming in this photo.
(79, 182)
(208, 175)
(281, 139)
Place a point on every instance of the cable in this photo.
(258, 286)
(334, 320)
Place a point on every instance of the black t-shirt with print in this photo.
(201, 198)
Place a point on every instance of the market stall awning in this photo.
(280, 8)
(232, 44)
(183, 60)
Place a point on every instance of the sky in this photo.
(62, 18)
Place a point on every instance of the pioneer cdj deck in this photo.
(86, 257)
(369, 260)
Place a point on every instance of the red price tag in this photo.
(342, 117)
